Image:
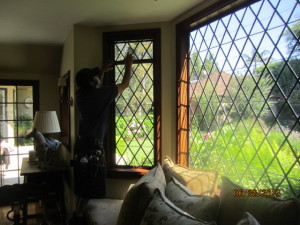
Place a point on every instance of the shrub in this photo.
(254, 159)
(22, 126)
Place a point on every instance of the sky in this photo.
(248, 32)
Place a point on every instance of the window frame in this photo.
(109, 38)
(205, 16)
(183, 87)
(36, 103)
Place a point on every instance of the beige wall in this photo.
(68, 65)
(33, 62)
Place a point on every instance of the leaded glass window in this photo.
(137, 108)
(244, 96)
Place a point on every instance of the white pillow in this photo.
(248, 219)
(199, 206)
(163, 212)
(139, 196)
(266, 210)
(201, 182)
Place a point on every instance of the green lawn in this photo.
(254, 160)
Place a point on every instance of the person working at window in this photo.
(93, 100)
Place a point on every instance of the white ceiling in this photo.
(50, 21)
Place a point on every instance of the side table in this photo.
(53, 176)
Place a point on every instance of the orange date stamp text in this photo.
(257, 193)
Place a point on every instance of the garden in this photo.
(134, 140)
(255, 156)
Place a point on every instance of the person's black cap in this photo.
(85, 75)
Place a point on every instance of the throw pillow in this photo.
(139, 196)
(161, 211)
(201, 182)
(201, 207)
(248, 219)
(266, 210)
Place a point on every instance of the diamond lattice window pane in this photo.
(244, 96)
(134, 107)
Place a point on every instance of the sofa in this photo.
(172, 194)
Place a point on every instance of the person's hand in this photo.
(128, 59)
(107, 66)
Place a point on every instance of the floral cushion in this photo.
(266, 210)
(248, 219)
(201, 182)
(161, 211)
(139, 196)
(201, 207)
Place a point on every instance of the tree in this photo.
(206, 108)
(255, 58)
(24, 124)
(292, 38)
(201, 68)
(286, 76)
(249, 100)
(285, 73)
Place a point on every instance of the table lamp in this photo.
(45, 122)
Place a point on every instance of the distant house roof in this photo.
(219, 80)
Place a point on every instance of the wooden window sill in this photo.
(126, 173)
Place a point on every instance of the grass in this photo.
(136, 152)
(263, 159)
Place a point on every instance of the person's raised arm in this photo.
(127, 75)
(107, 66)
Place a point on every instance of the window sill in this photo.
(126, 173)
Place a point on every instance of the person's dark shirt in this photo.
(93, 105)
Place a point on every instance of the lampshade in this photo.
(46, 122)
